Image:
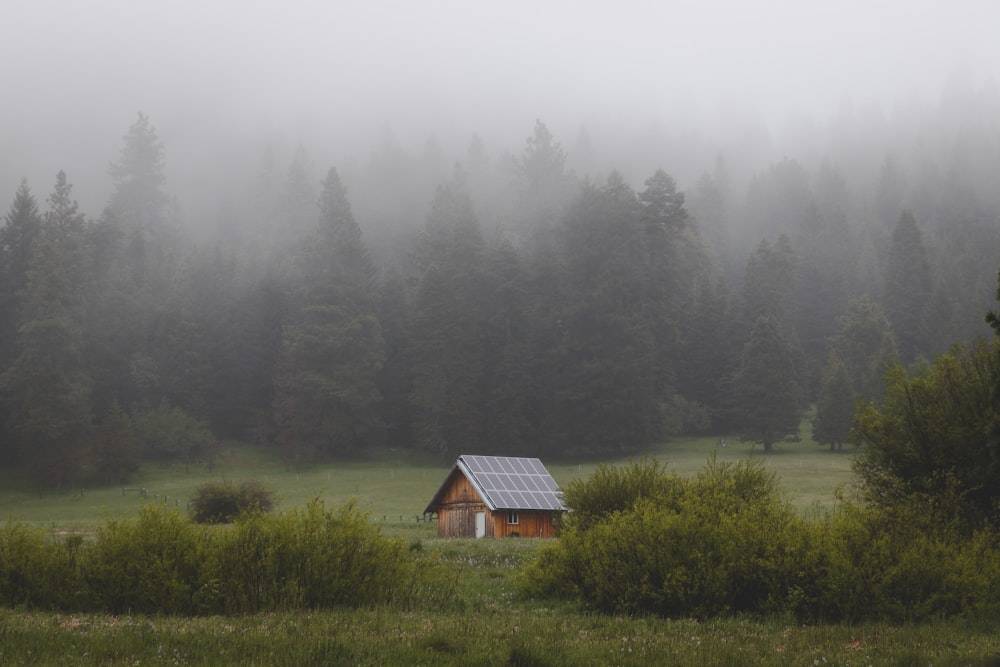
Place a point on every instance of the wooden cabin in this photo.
(497, 496)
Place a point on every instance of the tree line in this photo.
(529, 310)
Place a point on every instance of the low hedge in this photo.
(160, 562)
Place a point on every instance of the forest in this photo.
(531, 300)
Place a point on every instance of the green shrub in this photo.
(653, 543)
(37, 571)
(726, 542)
(902, 563)
(613, 489)
(153, 564)
(161, 563)
(339, 558)
(221, 502)
(314, 558)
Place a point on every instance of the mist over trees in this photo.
(517, 300)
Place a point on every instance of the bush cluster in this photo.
(221, 502)
(162, 563)
(726, 542)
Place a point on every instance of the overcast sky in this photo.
(74, 73)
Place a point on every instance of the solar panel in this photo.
(513, 482)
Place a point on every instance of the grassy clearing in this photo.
(393, 488)
(485, 623)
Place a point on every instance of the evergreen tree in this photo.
(138, 199)
(768, 397)
(241, 391)
(46, 387)
(448, 328)
(22, 225)
(543, 186)
(908, 287)
(601, 366)
(298, 198)
(133, 269)
(20, 230)
(676, 273)
(707, 357)
(331, 347)
(116, 446)
(395, 378)
(507, 356)
(770, 283)
(835, 408)
(863, 342)
(889, 192)
(777, 200)
(825, 255)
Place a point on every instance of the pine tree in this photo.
(863, 342)
(600, 363)
(507, 356)
(116, 446)
(835, 408)
(22, 225)
(298, 198)
(448, 329)
(134, 248)
(138, 200)
(332, 347)
(767, 389)
(543, 186)
(395, 378)
(18, 235)
(908, 287)
(770, 282)
(47, 387)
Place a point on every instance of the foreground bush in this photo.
(37, 571)
(153, 564)
(160, 563)
(309, 559)
(726, 543)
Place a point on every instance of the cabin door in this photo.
(480, 524)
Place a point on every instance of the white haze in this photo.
(223, 80)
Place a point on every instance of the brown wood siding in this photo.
(460, 491)
(460, 520)
(459, 502)
(529, 524)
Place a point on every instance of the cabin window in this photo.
(512, 518)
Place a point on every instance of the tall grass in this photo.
(507, 636)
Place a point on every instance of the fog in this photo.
(648, 84)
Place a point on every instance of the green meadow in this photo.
(392, 486)
(485, 622)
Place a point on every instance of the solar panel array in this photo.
(514, 483)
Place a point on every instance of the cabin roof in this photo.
(505, 483)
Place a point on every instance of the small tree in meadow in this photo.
(221, 502)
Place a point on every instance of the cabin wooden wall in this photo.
(460, 520)
(459, 491)
(460, 502)
(530, 524)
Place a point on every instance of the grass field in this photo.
(394, 487)
(487, 623)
